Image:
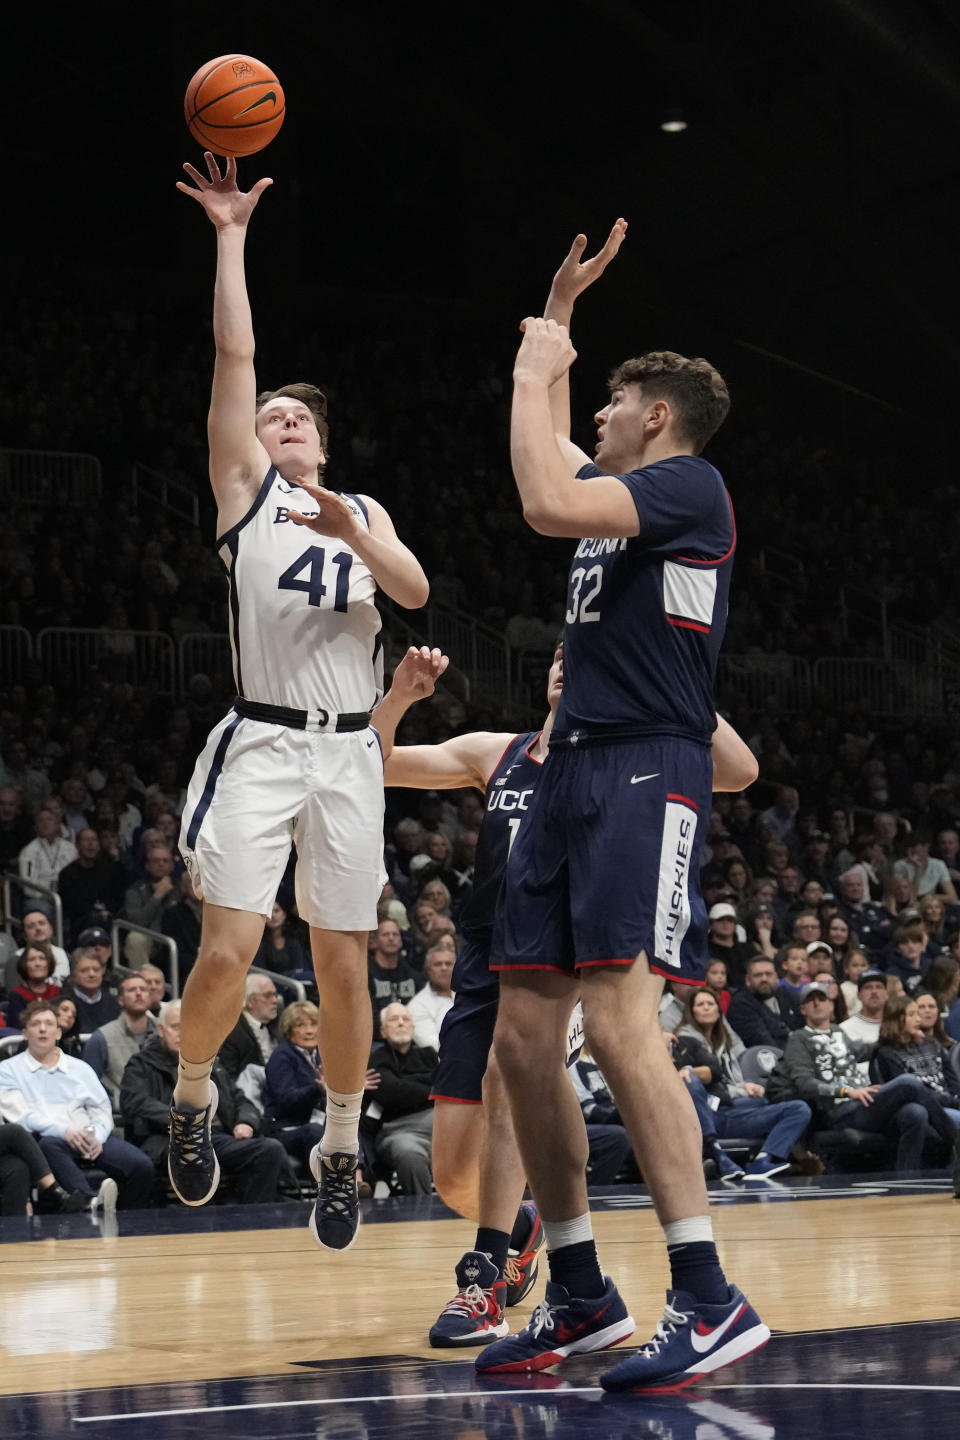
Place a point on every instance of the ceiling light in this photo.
(673, 122)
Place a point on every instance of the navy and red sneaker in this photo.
(692, 1340)
(522, 1265)
(475, 1314)
(560, 1326)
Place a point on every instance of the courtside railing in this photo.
(142, 657)
(120, 927)
(30, 478)
(11, 882)
(16, 652)
(888, 688)
(156, 488)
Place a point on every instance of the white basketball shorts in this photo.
(256, 787)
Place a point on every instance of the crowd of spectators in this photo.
(844, 858)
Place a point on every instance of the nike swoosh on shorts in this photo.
(636, 779)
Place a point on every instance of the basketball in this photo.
(234, 105)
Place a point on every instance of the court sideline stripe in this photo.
(478, 1394)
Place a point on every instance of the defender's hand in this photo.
(576, 275)
(545, 352)
(415, 678)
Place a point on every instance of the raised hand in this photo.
(416, 676)
(575, 274)
(335, 519)
(224, 202)
(545, 352)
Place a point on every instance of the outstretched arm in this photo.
(237, 460)
(415, 678)
(734, 763)
(573, 277)
(466, 760)
(554, 503)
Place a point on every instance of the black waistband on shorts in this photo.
(318, 719)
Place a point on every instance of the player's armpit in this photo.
(574, 456)
(599, 508)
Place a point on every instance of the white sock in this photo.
(342, 1133)
(193, 1082)
(685, 1232)
(559, 1233)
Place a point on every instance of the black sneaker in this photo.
(335, 1217)
(191, 1162)
(55, 1200)
(956, 1174)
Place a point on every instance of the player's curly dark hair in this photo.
(695, 391)
(308, 395)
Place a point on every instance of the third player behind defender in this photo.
(476, 1164)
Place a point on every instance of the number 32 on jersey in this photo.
(306, 574)
(584, 594)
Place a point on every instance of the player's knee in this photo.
(222, 960)
(338, 972)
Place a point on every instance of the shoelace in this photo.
(472, 1301)
(541, 1319)
(670, 1322)
(187, 1134)
(338, 1192)
(512, 1272)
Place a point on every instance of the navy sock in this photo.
(494, 1243)
(577, 1269)
(695, 1269)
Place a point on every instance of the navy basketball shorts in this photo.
(606, 863)
(467, 1030)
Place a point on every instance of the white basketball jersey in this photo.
(303, 624)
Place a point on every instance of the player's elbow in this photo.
(543, 520)
(414, 593)
(744, 773)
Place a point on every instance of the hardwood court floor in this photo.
(85, 1312)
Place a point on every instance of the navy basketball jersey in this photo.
(646, 614)
(508, 794)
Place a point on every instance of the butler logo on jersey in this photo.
(673, 898)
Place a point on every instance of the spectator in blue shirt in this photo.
(62, 1103)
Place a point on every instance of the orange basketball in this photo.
(234, 105)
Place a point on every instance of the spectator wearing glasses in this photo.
(254, 1037)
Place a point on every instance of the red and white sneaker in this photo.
(521, 1270)
(475, 1314)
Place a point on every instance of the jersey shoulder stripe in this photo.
(229, 537)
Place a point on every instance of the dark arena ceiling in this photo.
(808, 212)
